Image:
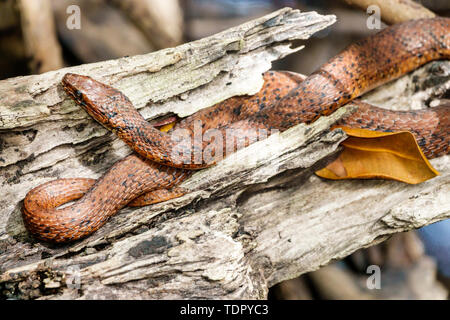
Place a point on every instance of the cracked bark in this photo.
(257, 218)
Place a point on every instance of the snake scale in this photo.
(154, 171)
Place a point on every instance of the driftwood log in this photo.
(257, 218)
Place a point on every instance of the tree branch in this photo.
(255, 219)
(395, 11)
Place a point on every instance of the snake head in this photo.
(101, 101)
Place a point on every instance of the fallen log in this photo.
(257, 218)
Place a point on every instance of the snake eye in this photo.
(78, 94)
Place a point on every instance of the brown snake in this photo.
(152, 173)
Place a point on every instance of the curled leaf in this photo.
(384, 155)
(166, 124)
(167, 127)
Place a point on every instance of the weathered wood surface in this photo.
(259, 217)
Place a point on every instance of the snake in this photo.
(159, 163)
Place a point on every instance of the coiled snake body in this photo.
(152, 173)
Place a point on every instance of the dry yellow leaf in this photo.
(167, 127)
(385, 155)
